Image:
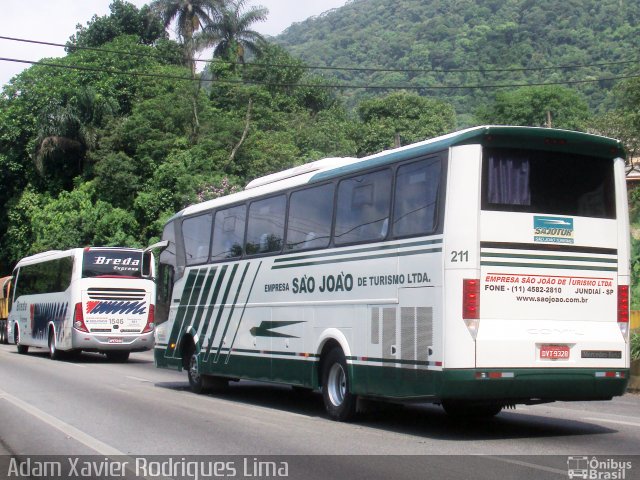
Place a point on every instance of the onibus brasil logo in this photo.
(597, 469)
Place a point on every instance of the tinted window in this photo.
(196, 232)
(228, 233)
(265, 229)
(416, 198)
(547, 182)
(363, 208)
(46, 277)
(125, 263)
(310, 216)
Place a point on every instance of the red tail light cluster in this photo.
(623, 303)
(623, 310)
(151, 319)
(78, 319)
(470, 299)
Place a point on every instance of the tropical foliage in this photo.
(105, 148)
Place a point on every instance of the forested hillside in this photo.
(472, 43)
(101, 146)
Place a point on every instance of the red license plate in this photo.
(115, 340)
(554, 352)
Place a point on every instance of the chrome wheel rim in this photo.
(193, 369)
(337, 384)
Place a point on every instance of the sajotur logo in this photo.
(553, 229)
(595, 468)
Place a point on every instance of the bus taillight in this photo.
(623, 309)
(78, 320)
(471, 304)
(151, 319)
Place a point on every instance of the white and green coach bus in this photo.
(477, 270)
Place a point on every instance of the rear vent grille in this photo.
(116, 293)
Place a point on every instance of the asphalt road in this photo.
(89, 406)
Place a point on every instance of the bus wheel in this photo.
(119, 356)
(16, 338)
(3, 332)
(54, 353)
(200, 383)
(339, 402)
(461, 409)
(196, 379)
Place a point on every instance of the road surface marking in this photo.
(619, 422)
(527, 464)
(69, 430)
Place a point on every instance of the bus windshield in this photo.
(110, 263)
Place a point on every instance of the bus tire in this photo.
(3, 332)
(118, 356)
(22, 349)
(467, 410)
(201, 383)
(196, 379)
(54, 353)
(339, 402)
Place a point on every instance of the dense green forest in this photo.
(101, 146)
(457, 43)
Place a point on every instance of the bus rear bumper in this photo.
(91, 342)
(533, 385)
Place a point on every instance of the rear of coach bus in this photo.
(115, 311)
(544, 299)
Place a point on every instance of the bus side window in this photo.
(196, 232)
(228, 233)
(310, 215)
(416, 195)
(265, 230)
(363, 208)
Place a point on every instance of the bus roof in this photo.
(53, 254)
(536, 138)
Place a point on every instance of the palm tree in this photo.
(190, 16)
(230, 32)
(69, 132)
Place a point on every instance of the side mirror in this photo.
(148, 260)
(157, 246)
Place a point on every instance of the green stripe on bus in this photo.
(244, 308)
(360, 250)
(391, 360)
(214, 299)
(205, 294)
(548, 265)
(551, 257)
(352, 259)
(182, 307)
(193, 300)
(231, 310)
(234, 269)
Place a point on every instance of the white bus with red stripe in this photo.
(84, 299)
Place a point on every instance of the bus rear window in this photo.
(557, 183)
(101, 263)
